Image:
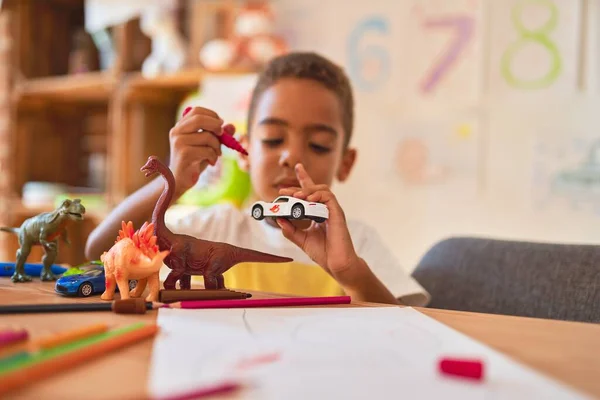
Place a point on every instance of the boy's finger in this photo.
(289, 191)
(307, 191)
(194, 123)
(290, 232)
(203, 139)
(189, 111)
(303, 177)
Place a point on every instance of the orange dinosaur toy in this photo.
(133, 256)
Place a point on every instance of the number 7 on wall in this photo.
(464, 28)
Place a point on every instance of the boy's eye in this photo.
(272, 142)
(319, 149)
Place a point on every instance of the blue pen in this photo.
(8, 269)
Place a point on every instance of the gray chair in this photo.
(541, 280)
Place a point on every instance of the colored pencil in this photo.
(170, 296)
(53, 340)
(11, 337)
(70, 336)
(52, 352)
(205, 391)
(58, 359)
(136, 306)
(285, 302)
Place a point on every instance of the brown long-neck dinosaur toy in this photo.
(189, 255)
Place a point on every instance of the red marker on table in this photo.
(466, 368)
(226, 138)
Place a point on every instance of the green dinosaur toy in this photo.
(44, 229)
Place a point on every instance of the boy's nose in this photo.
(289, 158)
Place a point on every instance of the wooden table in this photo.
(566, 351)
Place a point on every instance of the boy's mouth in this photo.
(284, 184)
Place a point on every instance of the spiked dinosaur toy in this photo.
(44, 230)
(133, 256)
(189, 255)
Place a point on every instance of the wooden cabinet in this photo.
(89, 131)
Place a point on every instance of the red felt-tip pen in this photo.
(465, 368)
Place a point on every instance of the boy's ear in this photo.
(242, 160)
(348, 160)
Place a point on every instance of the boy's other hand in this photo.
(194, 146)
(328, 244)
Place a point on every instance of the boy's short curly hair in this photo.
(308, 65)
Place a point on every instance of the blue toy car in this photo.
(84, 285)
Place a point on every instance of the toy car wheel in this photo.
(257, 212)
(297, 211)
(319, 219)
(132, 284)
(85, 289)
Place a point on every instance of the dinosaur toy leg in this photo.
(213, 281)
(123, 282)
(185, 282)
(109, 291)
(50, 255)
(172, 279)
(139, 288)
(154, 285)
(22, 254)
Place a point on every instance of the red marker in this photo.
(226, 138)
(466, 368)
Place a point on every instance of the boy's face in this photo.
(296, 121)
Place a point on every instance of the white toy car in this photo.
(290, 207)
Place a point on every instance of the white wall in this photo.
(501, 144)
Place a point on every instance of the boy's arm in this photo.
(136, 208)
(361, 284)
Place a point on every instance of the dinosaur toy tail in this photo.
(10, 230)
(247, 255)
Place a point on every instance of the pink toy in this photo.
(133, 256)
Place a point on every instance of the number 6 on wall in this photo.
(359, 58)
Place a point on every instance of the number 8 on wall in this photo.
(537, 36)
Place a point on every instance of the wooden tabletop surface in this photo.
(566, 351)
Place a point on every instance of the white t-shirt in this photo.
(226, 223)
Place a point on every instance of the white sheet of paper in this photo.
(349, 353)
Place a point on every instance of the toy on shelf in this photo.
(189, 255)
(168, 54)
(136, 256)
(44, 229)
(89, 282)
(290, 207)
(254, 42)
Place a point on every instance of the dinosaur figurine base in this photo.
(44, 230)
(192, 256)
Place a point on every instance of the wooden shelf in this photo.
(138, 87)
(92, 87)
(22, 211)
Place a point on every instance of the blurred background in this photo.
(473, 117)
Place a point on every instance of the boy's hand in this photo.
(191, 150)
(328, 244)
